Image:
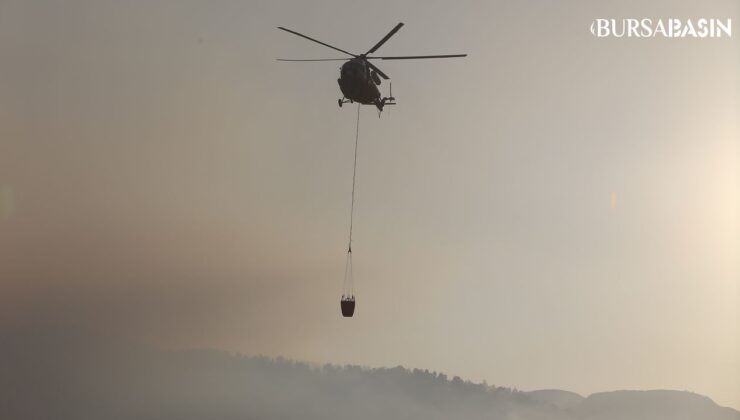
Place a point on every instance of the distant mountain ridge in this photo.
(633, 404)
(649, 404)
(202, 384)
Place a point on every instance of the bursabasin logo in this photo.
(664, 28)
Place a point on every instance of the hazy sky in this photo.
(553, 211)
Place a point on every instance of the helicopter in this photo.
(358, 77)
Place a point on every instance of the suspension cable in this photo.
(354, 173)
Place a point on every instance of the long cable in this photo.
(354, 174)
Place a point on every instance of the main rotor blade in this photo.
(385, 38)
(313, 59)
(416, 57)
(377, 70)
(316, 41)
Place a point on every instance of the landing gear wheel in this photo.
(339, 101)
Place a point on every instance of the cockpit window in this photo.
(352, 69)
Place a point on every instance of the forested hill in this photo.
(208, 384)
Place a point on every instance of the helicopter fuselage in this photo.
(357, 84)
